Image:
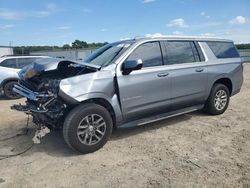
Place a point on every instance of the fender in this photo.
(114, 102)
(214, 79)
(220, 77)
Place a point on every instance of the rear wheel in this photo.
(8, 90)
(87, 128)
(218, 100)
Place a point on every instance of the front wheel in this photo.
(218, 100)
(87, 128)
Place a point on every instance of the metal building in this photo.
(77, 54)
(6, 50)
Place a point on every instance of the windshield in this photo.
(107, 54)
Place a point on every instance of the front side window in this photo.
(9, 63)
(181, 52)
(149, 53)
(223, 49)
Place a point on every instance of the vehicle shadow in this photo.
(122, 133)
(53, 144)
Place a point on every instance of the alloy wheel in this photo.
(91, 129)
(220, 100)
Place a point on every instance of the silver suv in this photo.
(9, 68)
(129, 83)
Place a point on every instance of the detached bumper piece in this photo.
(39, 134)
(28, 108)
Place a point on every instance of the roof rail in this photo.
(183, 36)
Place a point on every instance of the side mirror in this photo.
(131, 65)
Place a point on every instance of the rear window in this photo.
(223, 49)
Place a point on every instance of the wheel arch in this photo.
(225, 81)
(104, 103)
(8, 80)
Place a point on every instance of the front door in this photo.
(147, 91)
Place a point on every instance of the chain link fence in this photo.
(80, 54)
(245, 54)
(76, 54)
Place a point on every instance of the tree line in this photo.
(77, 44)
(243, 46)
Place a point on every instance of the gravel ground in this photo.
(190, 150)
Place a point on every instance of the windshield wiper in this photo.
(84, 64)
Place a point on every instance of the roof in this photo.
(196, 38)
(174, 37)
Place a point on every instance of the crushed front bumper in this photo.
(24, 91)
(28, 108)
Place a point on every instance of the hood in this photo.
(49, 65)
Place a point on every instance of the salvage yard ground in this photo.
(189, 150)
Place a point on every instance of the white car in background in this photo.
(9, 68)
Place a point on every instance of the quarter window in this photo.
(223, 49)
(181, 52)
(149, 53)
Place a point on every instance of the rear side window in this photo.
(9, 63)
(22, 62)
(149, 53)
(181, 52)
(223, 49)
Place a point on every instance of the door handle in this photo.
(163, 74)
(199, 70)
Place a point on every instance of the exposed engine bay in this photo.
(39, 83)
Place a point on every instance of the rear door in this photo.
(188, 73)
(147, 91)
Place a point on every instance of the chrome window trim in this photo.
(126, 54)
(203, 51)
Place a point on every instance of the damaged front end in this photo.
(45, 106)
(40, 84)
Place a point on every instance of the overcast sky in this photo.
(45, 22)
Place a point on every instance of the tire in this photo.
(7, 89)
(219, 107)
(79, 127)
